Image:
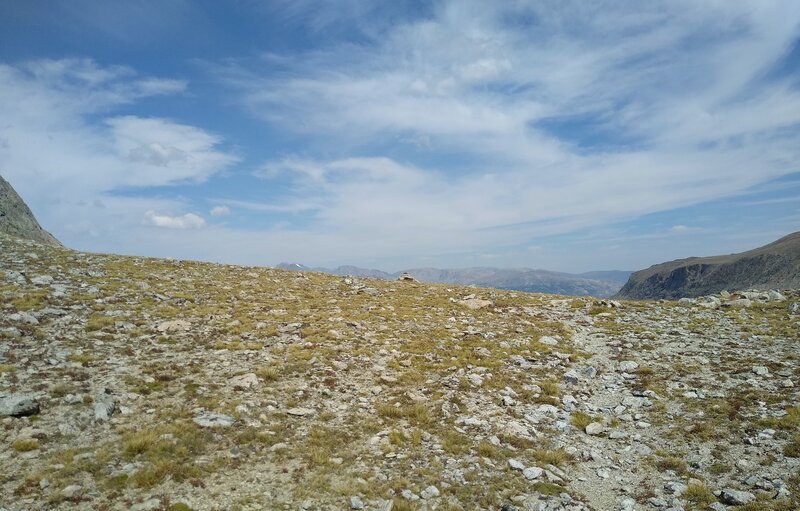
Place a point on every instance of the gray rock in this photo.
(675, 488)
(244, 381)
(794, 308)
(515, 464)
(760, 370)
(735, 497)
(104, 406)
(213, 420)
(18, 405)
(71, 491)
(355, 503)
(147, 505)
(15, 277)
(550, 341)
(300, 412)
(741, 303)
(628, 366)
(532, 473)
(42, 280)
(178, 325)
(409, 495)
(595, 428)
(430, 492)
(24, 317)
(775, 296)
(571, 377)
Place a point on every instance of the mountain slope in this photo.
(16, 218)
(773, 266)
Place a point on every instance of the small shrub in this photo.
(699, 496)
(25, 444)
(677, 465)
(792, 449)
(580, 420)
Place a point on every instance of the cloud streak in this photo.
(664, 106)
(187, 221)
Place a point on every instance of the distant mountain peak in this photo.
(600, 284)
(16, 218)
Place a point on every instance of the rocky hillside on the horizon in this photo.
(131, 383)
(16, 218)
(773, 266)
(600, 283)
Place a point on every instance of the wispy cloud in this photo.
(678, 94)
(187, 221)
(63, 147)
(220, 211)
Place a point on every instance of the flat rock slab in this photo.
(476, 303)
(300, 412)
(18, 405)
(214, 420)
(177, 325)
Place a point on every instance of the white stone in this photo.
(516, 464)
(595, 428)
(532, 473)
(430, 492)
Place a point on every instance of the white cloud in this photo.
(65, 150)
(187, 221)
(664, 106)
(220, 211)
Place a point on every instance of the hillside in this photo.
(773, 266)
(16, 218)
(147, 384)
(599, 284)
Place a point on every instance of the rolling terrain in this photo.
(600, 284)
(139, 384)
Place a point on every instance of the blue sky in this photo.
(570, 136)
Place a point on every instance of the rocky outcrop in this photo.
(773, 266)
(16, 218)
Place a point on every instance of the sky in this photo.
(562, 135)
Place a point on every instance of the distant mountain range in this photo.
(773, 266)
(16, 218)
(598, 283)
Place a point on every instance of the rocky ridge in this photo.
(144, 384)
(16, 218)
(773, 266)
